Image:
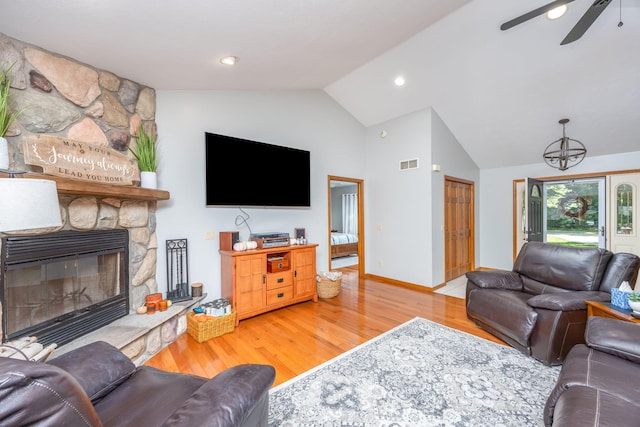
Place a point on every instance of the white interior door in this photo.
(623, 213)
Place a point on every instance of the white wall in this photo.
(407, 206)
(404, 210)
(496, 201)
(308, 120)
(398, 204)
(454, 161)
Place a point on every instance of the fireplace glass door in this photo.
(60, 286)
(44, 292)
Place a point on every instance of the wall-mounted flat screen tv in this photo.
(241, 172)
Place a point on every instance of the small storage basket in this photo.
(327, 287)
(212, 327)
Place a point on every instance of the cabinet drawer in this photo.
(279, 280)
(277, 264)
(276, 296)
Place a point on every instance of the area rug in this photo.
(418, 374)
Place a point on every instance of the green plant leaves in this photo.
(146, 151)
(7, 117)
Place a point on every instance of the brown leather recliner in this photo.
(539, 307)
(97, 385)
(598, 383)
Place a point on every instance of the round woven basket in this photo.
(328, 288)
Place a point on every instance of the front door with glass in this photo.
(575, 212)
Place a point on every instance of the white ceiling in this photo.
(500, 93)
(168, 44)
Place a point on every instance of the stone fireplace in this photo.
(64, 98)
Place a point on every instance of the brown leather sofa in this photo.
(539, 307)
(97, 385)
(598, 382)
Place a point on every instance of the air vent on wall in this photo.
(408, 164)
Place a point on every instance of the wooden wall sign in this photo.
(80, 160)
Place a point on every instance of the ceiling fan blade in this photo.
(530, 15)
(585, 22)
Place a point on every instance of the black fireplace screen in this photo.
(62, 285)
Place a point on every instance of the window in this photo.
(574, 212)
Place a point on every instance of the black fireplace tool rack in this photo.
(177, 270)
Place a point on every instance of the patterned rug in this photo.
(418, 374)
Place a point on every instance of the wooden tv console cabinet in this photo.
(260, 280)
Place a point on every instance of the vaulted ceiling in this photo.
(500, 92)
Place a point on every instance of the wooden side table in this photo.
(605, 309)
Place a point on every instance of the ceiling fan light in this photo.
(557, 12)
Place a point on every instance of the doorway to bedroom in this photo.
(346, 223)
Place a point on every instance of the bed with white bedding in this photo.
(343, 244)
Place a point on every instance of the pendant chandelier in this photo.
(565, 152)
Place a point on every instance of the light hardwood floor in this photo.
(300, 337)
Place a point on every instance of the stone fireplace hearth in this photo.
(64, 98)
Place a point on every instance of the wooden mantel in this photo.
(82, 188)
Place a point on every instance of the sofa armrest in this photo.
(616, 337)
(38, 394)
(495, 279)
(566, 301)
(228, 399)
(99, 367)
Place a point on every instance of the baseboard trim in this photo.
(399, 283)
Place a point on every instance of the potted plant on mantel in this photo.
(147, 156)
(7, 117)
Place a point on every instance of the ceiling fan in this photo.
(578, 30)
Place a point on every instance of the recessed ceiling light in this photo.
(229, 60)
(557, 12)
(399, 81)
